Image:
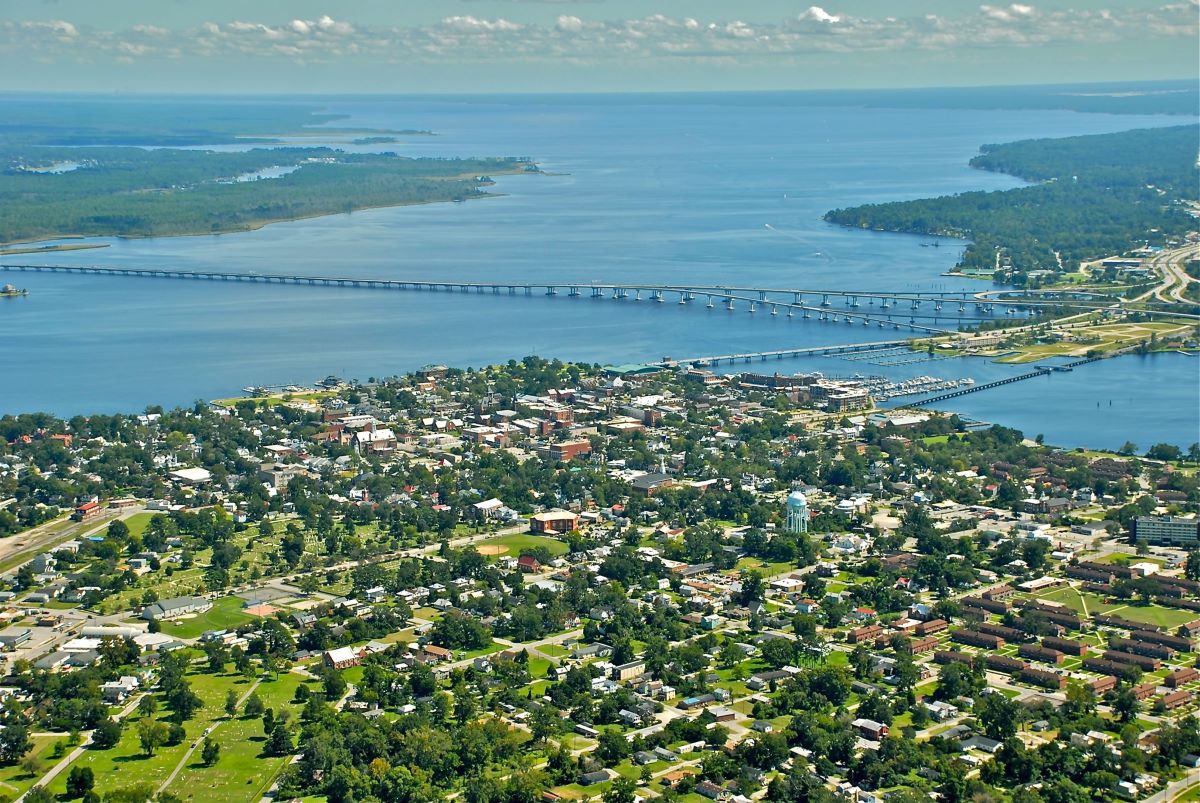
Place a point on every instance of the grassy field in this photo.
(1110, 337)
(517, 541)
(225, 613)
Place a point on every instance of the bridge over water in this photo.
(921, 312)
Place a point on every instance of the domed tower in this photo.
(797, 513)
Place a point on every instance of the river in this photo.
(697, 188)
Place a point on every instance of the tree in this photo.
(334, 685)
(107, 733)
(279, 743)
(210, 752)
(183, 701)
(1129, 448)
(39, 794)
(14, 738)
(1125, 704)
(999, 716)
(152, 734)
(80, 781)
(231, 703)
(1164, 451)
(1191, 569)
(612, 747)
(778, 652)
(623, 790)
(254, 706)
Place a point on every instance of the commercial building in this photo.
(553, 521)
(1168, 531)
(173, 608)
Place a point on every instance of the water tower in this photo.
(797, 513)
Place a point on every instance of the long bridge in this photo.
(917, 311)
(885, 303)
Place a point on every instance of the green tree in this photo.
(80, 781)
(999, 716)
(253, 706)
(210, 752)
(623, 790)
(107, 733)
(152, 734)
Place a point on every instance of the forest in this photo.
(1094, 196)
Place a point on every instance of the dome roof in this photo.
(797, 499)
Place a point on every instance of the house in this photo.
(435, 653)
(870, 729)
(596, 650)
(643, 757)
(722, 714)
(489, 508)
(630, 718)
(528, 563)
(711, 791)
(115, 691)
(342, 657)
(593, 778)
(979, 743)
(174, 608)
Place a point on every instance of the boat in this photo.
(11, 291)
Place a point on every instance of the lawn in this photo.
(226, 613)
(138, 522)
(765, 568)
(15, 781)
(515, 542)
(1153, 614)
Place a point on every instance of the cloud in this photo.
(818, 14)
(581, 39)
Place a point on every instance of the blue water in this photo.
(699, 191)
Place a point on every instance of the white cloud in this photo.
(591, 40)
(818, 14)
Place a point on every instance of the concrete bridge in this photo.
(884, 309)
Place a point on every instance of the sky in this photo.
(415, 46)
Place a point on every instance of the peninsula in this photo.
(51, 188)
(1091, 196)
